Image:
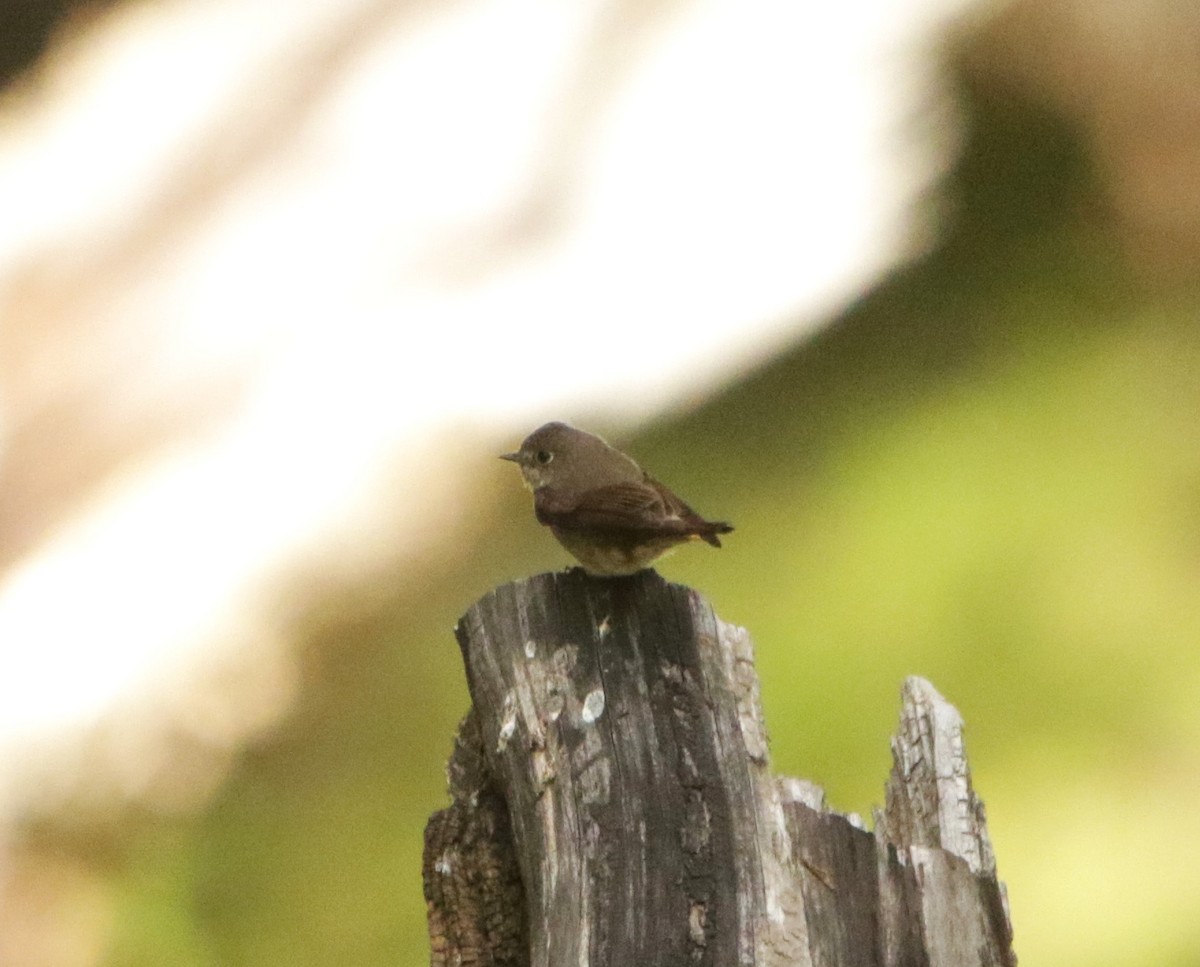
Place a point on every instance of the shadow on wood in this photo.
(613, 805)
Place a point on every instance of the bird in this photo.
(612, 516)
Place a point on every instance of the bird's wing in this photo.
(636, 507)
(688, 521)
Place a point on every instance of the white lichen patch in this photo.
(508, 726)
(593, 706)
(697, 919)
(530, 648)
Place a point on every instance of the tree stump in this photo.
(613, 805)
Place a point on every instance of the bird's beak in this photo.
(514, 457)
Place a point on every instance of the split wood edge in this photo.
(612, 803)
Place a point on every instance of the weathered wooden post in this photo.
(613, 805)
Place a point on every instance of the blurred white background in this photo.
(256, 256)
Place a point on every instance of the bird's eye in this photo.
(543, 457)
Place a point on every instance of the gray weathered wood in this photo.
(616, 757)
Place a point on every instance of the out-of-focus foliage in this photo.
(986, 472)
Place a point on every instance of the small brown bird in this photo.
(607, 511)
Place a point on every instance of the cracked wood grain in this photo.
(613, 805)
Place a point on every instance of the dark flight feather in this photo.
(634, 510)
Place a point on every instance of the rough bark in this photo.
(616, 757)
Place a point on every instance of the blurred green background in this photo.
(986, 471)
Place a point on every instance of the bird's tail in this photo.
(711, 529)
